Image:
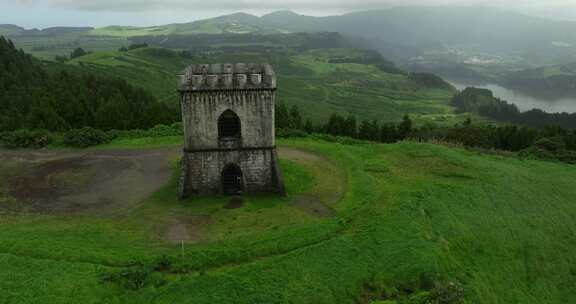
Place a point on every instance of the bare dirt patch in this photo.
(98, 182)
(188, 229)
(312, 205)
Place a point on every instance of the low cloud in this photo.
(144, 5)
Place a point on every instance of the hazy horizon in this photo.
(50, 13)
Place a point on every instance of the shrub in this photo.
(286, 133)
(25, 138)
(135, 133)
(137, 46)
(134, 278)
(175, 129)
(447, 293)
(552, 144)
(164, 130)
(78, 52)
(143, 274)
(85, 137)
(550, 148)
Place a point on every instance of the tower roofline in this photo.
(227, 76)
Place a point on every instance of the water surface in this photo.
(525, 102)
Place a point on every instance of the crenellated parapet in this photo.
(227, 76)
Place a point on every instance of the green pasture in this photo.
(413, 217)
(307, 80)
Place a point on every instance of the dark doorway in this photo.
(229, 126)
(232, 180)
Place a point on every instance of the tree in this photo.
(79, 52)
(309, 127)
(33, 98)
(350, 126)
(369, 130)
(389, 133)
(405, 127)
(282, 116)
(138, 46)
(295, 121)
(60, 58)
(336, 125)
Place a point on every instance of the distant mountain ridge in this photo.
(239, 23)
(11, 30)
(479, 28)
(401, 33)
(401, 25)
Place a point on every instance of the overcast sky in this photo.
(45, 13)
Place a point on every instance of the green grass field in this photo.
(307, 79)
(414, 219)
(47, 47)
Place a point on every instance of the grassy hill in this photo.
(152, 69)
(239, 23)
(417, 222)
(311, 80)
(473, 30)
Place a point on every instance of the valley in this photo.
(309, 80)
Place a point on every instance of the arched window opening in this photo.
(229, 126)
(232, 180)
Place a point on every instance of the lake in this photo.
(525, 102)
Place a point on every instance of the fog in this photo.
(45, 13)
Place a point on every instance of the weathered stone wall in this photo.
(201, 111)
(248, 90)
(204, 170)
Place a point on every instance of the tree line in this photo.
(551, 142)
(483, 102)
(34, 98)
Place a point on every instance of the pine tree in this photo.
(295, 121)
(351, 126)
(405, 128)
(282, 116)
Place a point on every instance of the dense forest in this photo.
(34, 98)
(483, 102)
(550, 143)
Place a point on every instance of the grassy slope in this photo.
(306, 79)
(502, 227)
(47, 47)
(234, 24)
(152, 69)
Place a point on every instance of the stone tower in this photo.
(228, 116)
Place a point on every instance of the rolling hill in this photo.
(11, 30)
(466, 44)
(319, 81)
(239, 23)
(475, 30)
(548, 81)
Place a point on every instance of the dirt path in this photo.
(95, 181)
